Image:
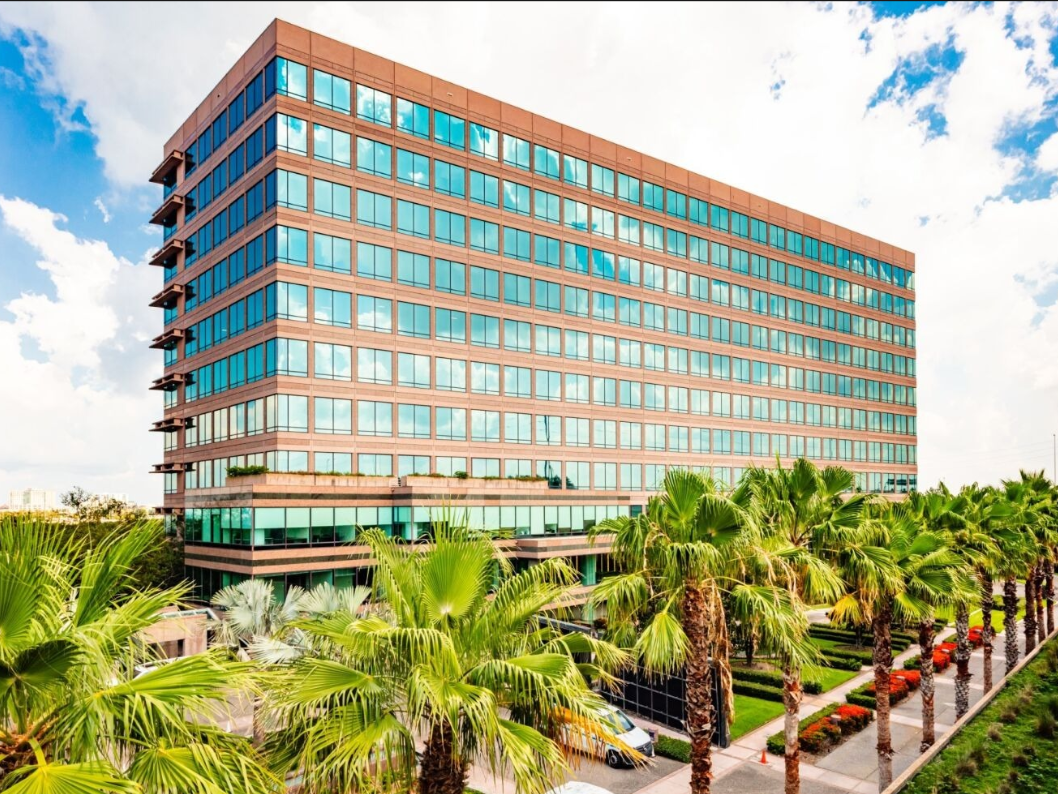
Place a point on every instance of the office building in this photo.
(32, 500)
(403, 297)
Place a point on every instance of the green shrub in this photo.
(773, 679)
(842, 662)
(246, 471)
(777, 741)
(676, 749)
(1045, 725)
(753, 690)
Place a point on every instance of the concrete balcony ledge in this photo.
(274, 478)
(166, 167)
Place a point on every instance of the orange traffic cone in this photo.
(764, 756)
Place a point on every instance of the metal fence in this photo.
(663, 699)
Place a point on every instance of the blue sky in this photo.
(939, 132)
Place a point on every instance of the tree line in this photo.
(444, 663)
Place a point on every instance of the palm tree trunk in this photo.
(883, 661)
(987, 605)
(1048, 592)
(791, 700)
(962, 659)
(259, 732)
(443, 772)
(1010, 622)
(1030, 611)
(1041, 623)
(929, 686)
(700, 712)
(749, 648)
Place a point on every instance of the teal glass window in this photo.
(413, 169)
(374, 105)
(546, 162)
(484, 141)
(413, 118)
(449, 130)
(331, 92)
(515, 152)
(575, 171)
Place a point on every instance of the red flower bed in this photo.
(819, 735)
(976, 636)
(941, 661)
(947, 647)
(913, 678)
(898, 689)
(852, 718)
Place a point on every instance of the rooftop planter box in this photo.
(476, 483)
(307, 480)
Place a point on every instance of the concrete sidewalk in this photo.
(852, 767)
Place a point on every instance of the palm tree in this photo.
(85, 704)
(921, 573)
(967, 538)
(258, 626)
(1024, 498)
(451, 651)
(941, 514)
(681, 557)
(806, 520)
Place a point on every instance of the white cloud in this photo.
(730, 93)
(1047, 154)
(76, 365)
(99, 205)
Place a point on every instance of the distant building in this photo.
(32, 500)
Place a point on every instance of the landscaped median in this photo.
(901, 684)
(1010, 747)
(825, 729)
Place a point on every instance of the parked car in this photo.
(626, 732)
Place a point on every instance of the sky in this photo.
(932, 126)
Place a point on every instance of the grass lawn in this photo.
(751, 713)
(948, 614)
(829, 677)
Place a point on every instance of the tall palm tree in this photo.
(941, 514)
(968, 539)
(85, 704)
(921, 573)
(807, 519)
(1025, 497)
(681, 557)
(445, 655)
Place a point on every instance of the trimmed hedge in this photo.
(864, 695)
(777, 741)
(772, 679)
(676, 749)
(842, 662)
(901, 639)
(863, 657)
(756, 690)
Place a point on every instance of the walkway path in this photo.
(852, 767)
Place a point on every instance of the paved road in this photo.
(756, 779)
(624, 781)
